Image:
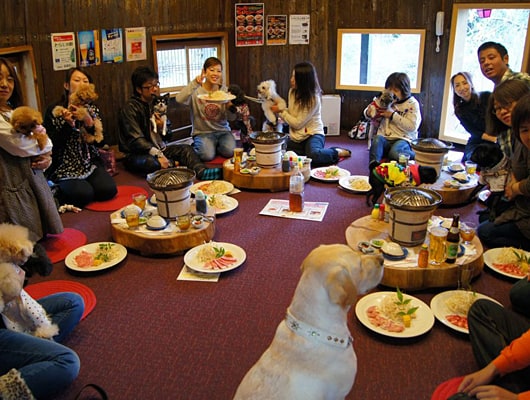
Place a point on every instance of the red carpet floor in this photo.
(153, 337)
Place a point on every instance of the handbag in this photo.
(360, 129)
(109, 160)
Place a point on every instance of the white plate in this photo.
(456, 167)
(421, 324)
(206, 97)
(345, 183)
(483, 196)
(92, 248)
(319, 174)
(221, 187)
(491, 256)
(190, 258)
(441, 311)
(229, 202)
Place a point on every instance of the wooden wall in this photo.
(30, 22)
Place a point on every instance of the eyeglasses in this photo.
(149, 87)
(505, 107)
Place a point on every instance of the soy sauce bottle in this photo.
(453, 240)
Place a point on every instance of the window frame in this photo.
(195, 40)
(418, 59)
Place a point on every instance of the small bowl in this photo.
(377, 243)
(255, 170)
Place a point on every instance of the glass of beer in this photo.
(437, 237)
(132, 216)
(471, 167)
(139, 199)
(184, 222)
(238, 158)
(467, 231)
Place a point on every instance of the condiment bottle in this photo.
(375, 211)
(200, 202)
(382, 212)
(286, 163)
(423, 256)
(296, 190)
(453, 240)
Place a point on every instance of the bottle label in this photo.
(452, 250)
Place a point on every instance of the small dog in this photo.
(28, 121)
(494, 173)
(374, 111)
(79, 102)
(311, 355)
(268, 96)
(244, 120)
(160, 106)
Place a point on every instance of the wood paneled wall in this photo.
(30, 22)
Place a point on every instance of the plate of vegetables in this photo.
(213, 257)
(329, 174)
(95, 256)
(508, 261)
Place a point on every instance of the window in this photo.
(360, 51)
(179, 58)
(469, 30)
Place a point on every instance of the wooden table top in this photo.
(149, 243)
(273, 179)
(412, 277)
(453, 196)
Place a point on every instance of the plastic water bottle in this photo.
(296, 190)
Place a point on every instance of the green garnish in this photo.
(402, 303)
(219, 251)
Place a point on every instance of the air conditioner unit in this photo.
(331, 114)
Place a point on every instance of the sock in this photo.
(211, 174)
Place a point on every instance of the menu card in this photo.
(313, 211)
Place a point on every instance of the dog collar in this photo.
(311, 332)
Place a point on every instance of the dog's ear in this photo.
(371, 272)
(340, 287)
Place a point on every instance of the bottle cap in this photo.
(199, 195)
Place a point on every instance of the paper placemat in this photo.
(313, 211)
(187, 274)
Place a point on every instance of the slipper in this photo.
(342, 152)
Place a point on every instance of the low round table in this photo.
(172, 243)
(273, 179)
(412, 278)
(453, 196)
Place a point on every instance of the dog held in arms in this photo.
(312, 355)
(494, 172)
(374, 111)
(268, 96)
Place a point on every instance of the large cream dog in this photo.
(311, 355)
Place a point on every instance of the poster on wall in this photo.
(249, 24)
(112, 45)
(299, 29)
(89, 51)
(276, 31)
(63, 51)
(135, 44)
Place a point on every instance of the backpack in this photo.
(360, 129)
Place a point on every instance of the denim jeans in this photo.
(208, 145)
(502, 235)
(313, 147)
(390, 149)
(45, 365)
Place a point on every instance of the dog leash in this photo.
(303, 329)
(254, 99)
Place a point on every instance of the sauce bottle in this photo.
(453, 240)
(375, 211)
(423, 256)
(200, 202)
(296, 190)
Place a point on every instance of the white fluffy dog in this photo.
(311, 355)
(19, 311)
(268, 96)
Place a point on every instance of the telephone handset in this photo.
(439, 28)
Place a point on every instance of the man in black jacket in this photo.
(140, 133)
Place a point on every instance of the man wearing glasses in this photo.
(144, 146)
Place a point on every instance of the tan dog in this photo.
(15, 244)
(79, 100)
(311, 355)
(28, 121)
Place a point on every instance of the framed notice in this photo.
(89, 51)
(249, 24)
(112, 45)
(63, 51)
(276, 30)
(135, 44)
(299, 29)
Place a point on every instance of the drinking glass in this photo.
(184, 222)
(437, 238)
(467, 231)
(465, 274)
(471, 168)
(132, 216)
(139, 199)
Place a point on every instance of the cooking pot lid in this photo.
(412, 198)
(171, 178)
(431, 145)
(267, 137)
